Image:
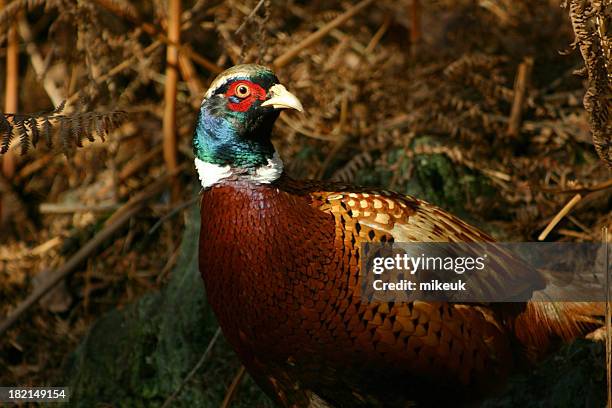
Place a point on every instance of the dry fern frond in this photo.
(478, 71)
(589, 21)
(6, 134)
(73, 128)
(347, 172)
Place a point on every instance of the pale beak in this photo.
(282, 99)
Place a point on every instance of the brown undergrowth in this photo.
(482, 84)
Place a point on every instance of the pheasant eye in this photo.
(242, 91)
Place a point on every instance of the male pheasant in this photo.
(280, 262)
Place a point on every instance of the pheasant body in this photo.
(293, 311)
(280, 261)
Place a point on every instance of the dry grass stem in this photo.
(521, 83)
(233, 388)
(194, 370)
(564, 211)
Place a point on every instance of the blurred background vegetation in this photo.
(475, 105)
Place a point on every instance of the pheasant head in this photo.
(232, 133)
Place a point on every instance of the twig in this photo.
(188, 15)
(575, 234)
(497, 10)
(193, 371)
(173, 212)
(190, 75)
(319, 34)
(334, 57)
(150, 191)
(340, 139)
(38, 63)
(169, 123)
(32, 252)
(33, 167)
(233, 388)
(138, 162)
(335, 33)
(582, 190)
(564, 211)
(200, 60)
(249, 17)
(55, 208)
(298, 127)
(128, 63)
(45, 246)
(169, 264)
(520, 92)
(379, 34)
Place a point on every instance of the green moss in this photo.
(572, 377)
(432, 177)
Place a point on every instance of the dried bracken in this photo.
(592, 22)
(73, 128)
(426, 110)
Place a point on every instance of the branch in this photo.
(11, 96)
(169, 125)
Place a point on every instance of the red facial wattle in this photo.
(244, 104)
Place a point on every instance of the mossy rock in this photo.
(433, 177)
(573, 377)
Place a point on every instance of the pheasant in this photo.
(280, 262)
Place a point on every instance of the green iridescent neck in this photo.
(227, 139)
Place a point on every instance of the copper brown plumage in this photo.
(280, 262)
